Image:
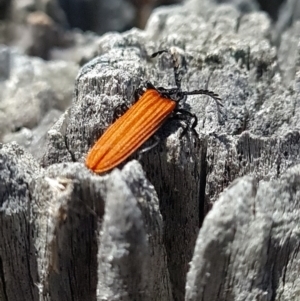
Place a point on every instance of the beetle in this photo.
(152, 108)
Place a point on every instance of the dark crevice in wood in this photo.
(203, 175)
(3, 280)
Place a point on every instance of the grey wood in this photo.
(69, 234)
(248, 247)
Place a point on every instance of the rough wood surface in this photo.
(248, 246)
(68, 234)
(18, 264)
(72, 250)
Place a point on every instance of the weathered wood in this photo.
(265, 158)
(60, 211)
(91, 237)
(132, 258)
(18, 258)
(248, 247)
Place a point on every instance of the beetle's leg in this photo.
(120, 110)
(147, 148)
(188, 115)
(158, 53)
(190, 119)
(138, 93)
(149, 85)
(141, 90)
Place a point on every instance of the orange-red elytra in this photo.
(130, 131)
(140, 122)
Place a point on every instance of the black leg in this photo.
(159, 52)
(120, 110)
(190, 119)
(146, 149)
(138, 93)
(141, 90)
(149, 85)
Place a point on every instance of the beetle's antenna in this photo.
(205, 92)
(176, 63)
